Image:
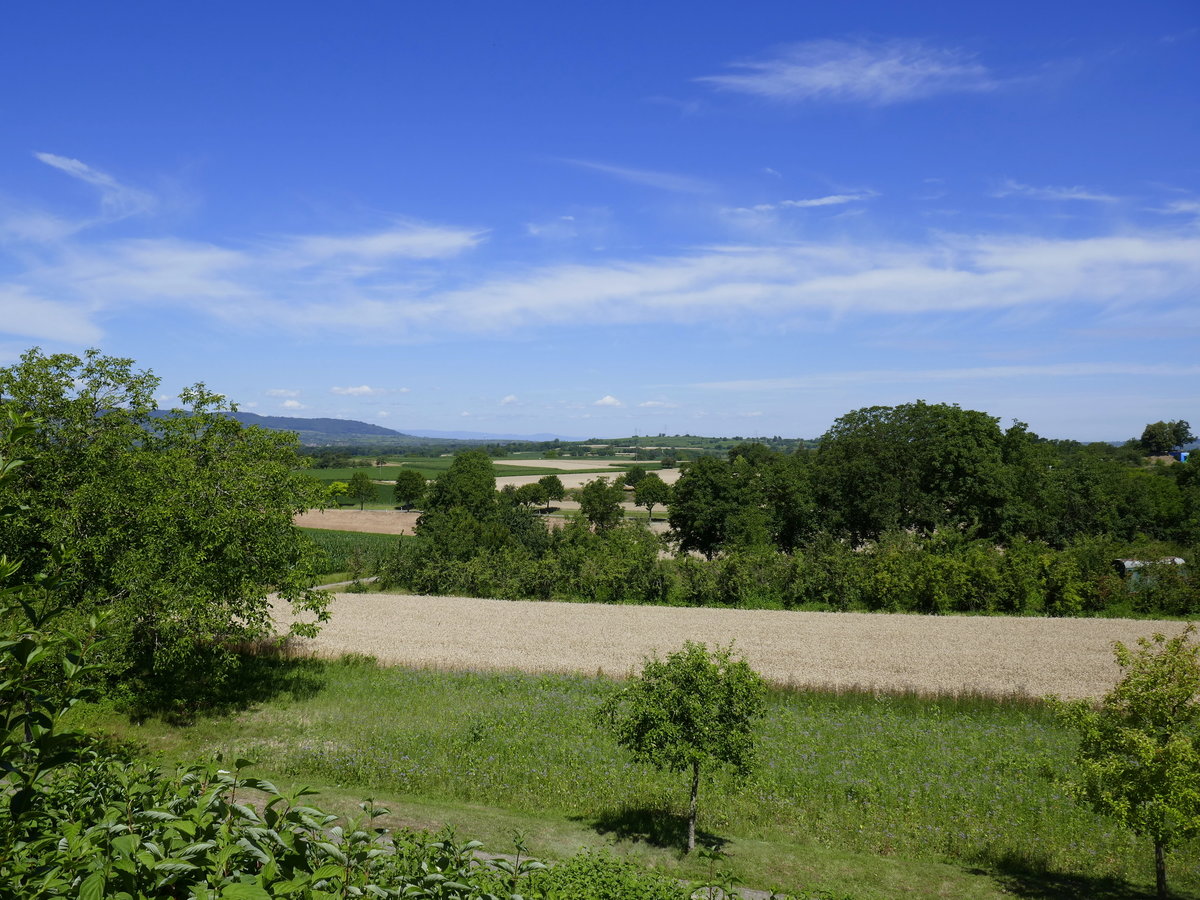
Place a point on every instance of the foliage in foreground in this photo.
(1139, 752)
(80, 819)
(176, 523)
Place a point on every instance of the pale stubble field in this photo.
(927, 654)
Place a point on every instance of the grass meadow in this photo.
(867, 796)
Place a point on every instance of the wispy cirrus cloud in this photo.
(26, 314)
(1011, 188)
(664, 181)
(810, 203)
(872, 72)
(408, 242)
(828, 380)
(282, 392)
(362, 390)
(814, 281)
(117, 200)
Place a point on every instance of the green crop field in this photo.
(870, 797)
(339, 548)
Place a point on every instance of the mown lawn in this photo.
(876, 797)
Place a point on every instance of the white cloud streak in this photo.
(828, 380)
(664, 181)
(117, 200)
(608, 400)
(876, 73)
(811, 203)
(1012, 188)
(1157, 270)
(282, 392)
(25, 314)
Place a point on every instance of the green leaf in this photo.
(244, 892)
(92, 887)
(329, 870)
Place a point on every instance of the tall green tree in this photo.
(651, 491)
(469, 483)
(705, 501)
(600, 503)
(410, 487)
(691, 712)
(917, 465)
(554, 489)
(1139, 751)
(362, 489)
(1163, 437)
(178, 524)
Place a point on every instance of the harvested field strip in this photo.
(892, 653)
(372, 521)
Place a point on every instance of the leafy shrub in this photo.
(597, 875)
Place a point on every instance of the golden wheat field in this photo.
(927, 654)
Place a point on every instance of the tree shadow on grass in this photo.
(1020, 879)
(656, 826)
(262, 673)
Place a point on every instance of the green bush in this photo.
(597, 875)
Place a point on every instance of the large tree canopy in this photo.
(917, 465)
(180, 522)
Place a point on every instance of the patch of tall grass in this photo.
(969, 780)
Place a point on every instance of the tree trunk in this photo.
(1160, 869)
(691, 840)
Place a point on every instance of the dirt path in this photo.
(936, 654)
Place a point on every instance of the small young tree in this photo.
(692, 711)
(335, 491)
(1139, 751)
(651, 491)
(410, 488)
(362, 488)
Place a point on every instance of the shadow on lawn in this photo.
(658, 827)
(1020, 880)
(262, 673)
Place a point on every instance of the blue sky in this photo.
(614, 218)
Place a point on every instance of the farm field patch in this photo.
(996, 656)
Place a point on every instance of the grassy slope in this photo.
(876, 797)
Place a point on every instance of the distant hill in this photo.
(325, 432)
(329, 427)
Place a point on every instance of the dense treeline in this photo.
(920, 508)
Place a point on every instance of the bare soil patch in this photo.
(928, 654)
(371, 521)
